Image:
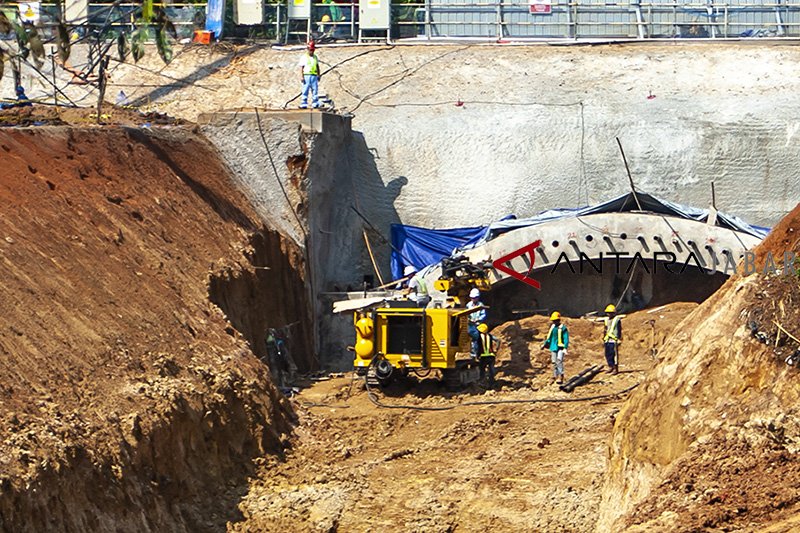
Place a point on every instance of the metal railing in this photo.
(588, 19)
(483, 19)
(556, 19)
(110, 17)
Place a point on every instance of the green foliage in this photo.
(5, 24)
(163, 44)
(147, 10)
(155, 18)
(138, 38)
(62, 39)
(123, 46)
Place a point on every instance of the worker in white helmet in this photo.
(417, 288)
(475, 318)
(612, 337)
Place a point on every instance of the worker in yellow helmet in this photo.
(489, 345)
(612, 337)
(557, 341)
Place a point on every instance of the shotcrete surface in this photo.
(471, 133)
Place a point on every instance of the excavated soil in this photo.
(128, 401)
(710, 441)
(526, 465)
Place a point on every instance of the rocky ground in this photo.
(430, 461)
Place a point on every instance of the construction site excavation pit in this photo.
(170, 358)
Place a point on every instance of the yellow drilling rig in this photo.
(395, 337)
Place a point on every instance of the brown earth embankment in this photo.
(130, 398)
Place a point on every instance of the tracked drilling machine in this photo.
(394, 337)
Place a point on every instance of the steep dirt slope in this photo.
(710, 440)
(501, 467)
(127, 400)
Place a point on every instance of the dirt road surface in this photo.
(535, 465)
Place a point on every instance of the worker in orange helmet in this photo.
(557, 341)
(309, 66)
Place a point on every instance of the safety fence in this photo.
(108, 19)
(477, 19)
(551, 19)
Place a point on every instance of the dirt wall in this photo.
(130, 401)
(706, 441)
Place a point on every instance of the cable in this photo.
(477, 102)
(624, 292)
(317, 404)
(277, 176)
(406, 75)
(420, 374)
(306, 243)
(598, 228)
(340, 63)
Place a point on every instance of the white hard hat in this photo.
(408, 270)
(474, 293)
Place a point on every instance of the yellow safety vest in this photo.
(422, 289)
(312, 65)
(486, 341)
(611, 329)
(560, 332)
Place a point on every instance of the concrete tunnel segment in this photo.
(697, 254)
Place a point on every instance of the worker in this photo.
(324, 27)
(22, 99)
(276, 358)
(475, 318)
(489, 345)
(612, 337)
(336, 14)
(417, 288)
(309, 66)
(557, 341)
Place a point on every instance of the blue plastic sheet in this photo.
(420, 247)
(627, 203)
(215, 15)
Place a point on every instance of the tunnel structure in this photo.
(582, 263)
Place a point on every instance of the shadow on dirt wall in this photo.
(375, 199)
(345, 262)
(220, 205)
(271, 294)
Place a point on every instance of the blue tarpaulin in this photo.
(421, 247)
(215, 15)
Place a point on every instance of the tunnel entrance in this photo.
(576, 293)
